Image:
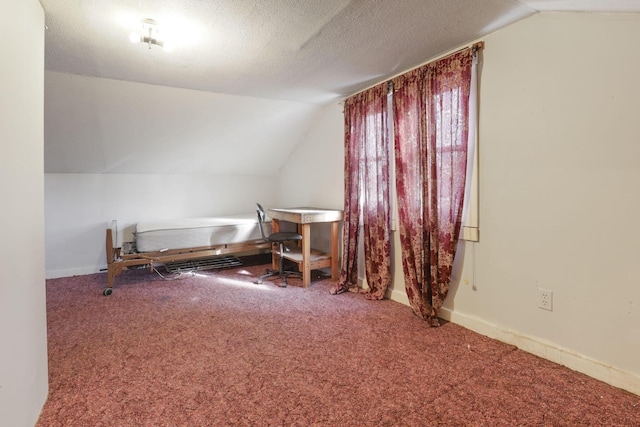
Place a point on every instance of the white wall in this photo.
(313, 174)
(127, 151)
(79, 207)
(97, 125)
(559, 201)
(23, 329)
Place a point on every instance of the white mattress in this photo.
(196, 232)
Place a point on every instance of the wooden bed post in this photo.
(109, 244)
(111, 273)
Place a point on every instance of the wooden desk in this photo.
(309, 259)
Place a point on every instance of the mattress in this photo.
(154, 236)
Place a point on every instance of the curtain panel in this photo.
(366, 203)
(431, 126)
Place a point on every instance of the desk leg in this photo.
(306, 255)
(335, 267)
(275, 227)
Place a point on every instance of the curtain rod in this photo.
(475, 47)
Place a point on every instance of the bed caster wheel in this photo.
(107, 291)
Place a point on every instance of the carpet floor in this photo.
(216, 349)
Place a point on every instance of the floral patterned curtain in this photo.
(430, 107)
(366, 192)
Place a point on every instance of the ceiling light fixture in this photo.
(151, 36)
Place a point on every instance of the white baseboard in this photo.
(540, 347)
(398, 296)
(54, 274)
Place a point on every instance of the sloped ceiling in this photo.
(246, 78)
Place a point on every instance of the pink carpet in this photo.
(216, 349)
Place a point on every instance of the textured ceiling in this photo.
(285, 51)
(299, 50)
(584, 5)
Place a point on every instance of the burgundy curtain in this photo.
(366, 201)
(430, 107)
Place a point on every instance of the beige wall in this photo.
(23, 329)
(559, 150)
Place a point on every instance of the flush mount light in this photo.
(150, 35)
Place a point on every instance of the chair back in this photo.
(261, 219)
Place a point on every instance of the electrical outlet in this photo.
(545, 299)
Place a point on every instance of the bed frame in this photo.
(117, 261)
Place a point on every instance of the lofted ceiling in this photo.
(279, 53)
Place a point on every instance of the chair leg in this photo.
(283, 277)
(269, 273)
(286, 273)
(281, 272)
